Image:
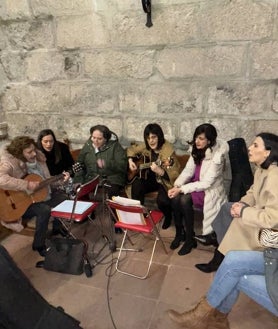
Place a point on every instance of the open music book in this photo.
(129, 217)
(66, 206)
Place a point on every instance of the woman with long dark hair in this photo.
(200, 185)
(58, 156)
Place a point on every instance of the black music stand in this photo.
(104, 218)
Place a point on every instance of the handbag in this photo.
(268, 238)
(65, 255)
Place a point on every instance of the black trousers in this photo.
(140, 187)
(42, 211)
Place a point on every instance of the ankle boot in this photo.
(208, 239)
(219, 320)
(179, 237)
(187, 247)
(213, 265)
(197, 318)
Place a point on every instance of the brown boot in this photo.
(218, 320)
(197, 318)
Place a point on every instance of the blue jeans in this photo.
(240, 271)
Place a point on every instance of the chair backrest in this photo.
(128, 208)
(129, 214)
(87, 188)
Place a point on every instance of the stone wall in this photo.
(68, 65)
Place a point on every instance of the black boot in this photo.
(213, 265)
(208, 239)
(187, 247)
(180, 236)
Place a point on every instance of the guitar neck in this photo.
(145, 165)
(48, 181)
(148, 164)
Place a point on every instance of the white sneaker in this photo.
(14, 226)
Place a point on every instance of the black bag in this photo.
(65, 255)
(21, 305)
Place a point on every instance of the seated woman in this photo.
(163, 169)
(199, 185)
(237, 224)
(103, 155)
(58, 156)
(19, 159)
(251, 272)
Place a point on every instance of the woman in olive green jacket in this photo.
(103, 155)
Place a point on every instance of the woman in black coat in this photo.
(58, 156)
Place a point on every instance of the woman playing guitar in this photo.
(163, 169)
(20, 158)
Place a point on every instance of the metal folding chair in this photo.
(76, 210)
(136, 218)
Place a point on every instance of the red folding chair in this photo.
(77, 210)
(136, 218)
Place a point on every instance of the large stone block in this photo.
(26, 124)
(3, 80)
(93, 98)
(114, 6)
(78, 127)
(173, 99)
(131, 97)
(134, 128)
(3, 39)
(81, 31)
(119, 64)
(38, 99)
(14, 64)
(236, 20)
(264, 59)
(266, 125)
(201, 62)
(14, 9)
(226, 129)
(171, 25)
(45, 65)
(60, 7)
(29, 35)
(240, 99)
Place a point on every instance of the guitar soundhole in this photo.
(9, 196)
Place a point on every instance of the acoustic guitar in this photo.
(15, 203)
(143, 164)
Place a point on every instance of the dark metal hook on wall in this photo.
(147, 7)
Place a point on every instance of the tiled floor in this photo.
(110, 300)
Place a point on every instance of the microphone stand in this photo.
(105, 186)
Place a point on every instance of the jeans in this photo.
(240, 271)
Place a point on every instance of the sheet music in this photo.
(126, 201)
(129, 217)
(66, 206)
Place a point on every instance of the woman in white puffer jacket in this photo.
(200, 185)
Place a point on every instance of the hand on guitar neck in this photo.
(138, 167)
